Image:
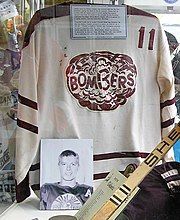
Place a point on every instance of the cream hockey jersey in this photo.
(120, 92)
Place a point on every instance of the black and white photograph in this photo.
(66, 174)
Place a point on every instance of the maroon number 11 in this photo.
(141, 38)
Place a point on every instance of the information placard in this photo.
(98, 22)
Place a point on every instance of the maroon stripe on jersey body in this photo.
(25, 101)
(98, 176)
(115, 155)
(108, 156)
(168, 103)
(27, 126)
(167, 123)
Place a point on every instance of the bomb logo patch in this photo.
(101, 81)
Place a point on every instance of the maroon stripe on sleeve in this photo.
(167, 123)
(115, 155)
(168, 103)
(25, 101)
(27, 126)
(22, 189)
(35, 167)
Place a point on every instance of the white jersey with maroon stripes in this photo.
(119, 92)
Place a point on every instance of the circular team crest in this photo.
(66, 201)
(101, 81)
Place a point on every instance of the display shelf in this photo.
(29, 210)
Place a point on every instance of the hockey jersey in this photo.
(119, 92)
(55, 196)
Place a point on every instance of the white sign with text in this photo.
(98, 22)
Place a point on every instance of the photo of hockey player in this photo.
(67, 192)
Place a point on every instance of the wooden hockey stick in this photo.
(121, 194)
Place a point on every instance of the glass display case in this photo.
(15, 16)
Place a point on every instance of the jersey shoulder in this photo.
(135, 11)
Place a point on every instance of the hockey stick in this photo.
(121, 194)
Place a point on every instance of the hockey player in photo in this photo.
(67, 193)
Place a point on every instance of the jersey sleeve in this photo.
(27, 130)
(167, 91)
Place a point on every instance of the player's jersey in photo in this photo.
(118, 92)
(55, 196)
